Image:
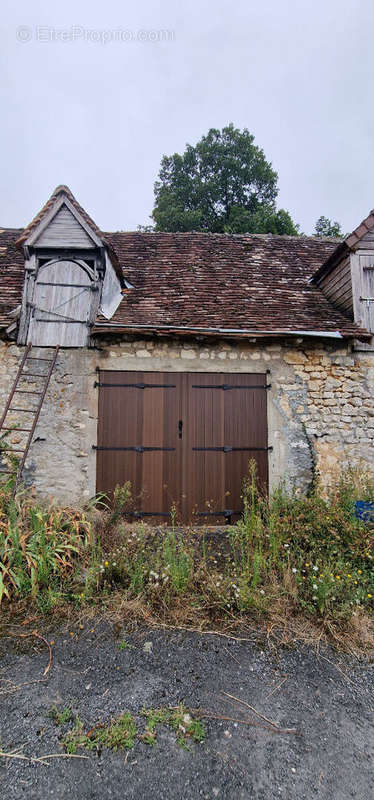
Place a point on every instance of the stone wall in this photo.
(61, 463)
(320, 405)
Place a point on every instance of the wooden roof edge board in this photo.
(101, 328)
(246, 331)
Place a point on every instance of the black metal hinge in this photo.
(227, 513)
(136, 449)
(62, 321)
(141, 514)
(229, 449)
(227, 386)
(136, 385)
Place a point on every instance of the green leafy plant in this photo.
(122, 497)
(176, 561)
(179, 719)
(39, 547)
(118, 734)
(125, 645)
(61, 717)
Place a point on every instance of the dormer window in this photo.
(347, 278)
(68, 276)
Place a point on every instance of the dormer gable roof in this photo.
(63, 200)
(353, 239)
(61, 197)
(350, 242)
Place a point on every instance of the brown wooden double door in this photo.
(182, 439)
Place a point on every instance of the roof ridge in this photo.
(275, 236)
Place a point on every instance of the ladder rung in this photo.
(26, 410)
(16, 430)
(10, 450)
(28, 391)
(31, 358)
(34, 375)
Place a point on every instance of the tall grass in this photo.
(307, 554)
(41, 549)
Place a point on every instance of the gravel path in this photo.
(330, 700)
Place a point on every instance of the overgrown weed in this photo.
(291, 556)
(60, 717)
(120, 732)
(42, 549)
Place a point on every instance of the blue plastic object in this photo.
(364, 510)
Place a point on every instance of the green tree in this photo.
(223, 184)
(325, 227)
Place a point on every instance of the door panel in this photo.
(61, 305)
(204, 429)
(222, 412)
(140, 410)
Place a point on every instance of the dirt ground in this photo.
(328, 699)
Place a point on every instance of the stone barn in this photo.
(171, 359)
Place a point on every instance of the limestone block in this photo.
(294, 357)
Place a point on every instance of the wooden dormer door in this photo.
(367, 297)
(61, 304)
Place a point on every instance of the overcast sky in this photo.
(98, 111)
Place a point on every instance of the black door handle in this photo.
(180, 428)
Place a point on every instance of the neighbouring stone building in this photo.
(182, 356)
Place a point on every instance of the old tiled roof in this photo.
(253, 282)
(11, 274)
(205, 281)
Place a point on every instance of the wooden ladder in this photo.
(24, 374)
